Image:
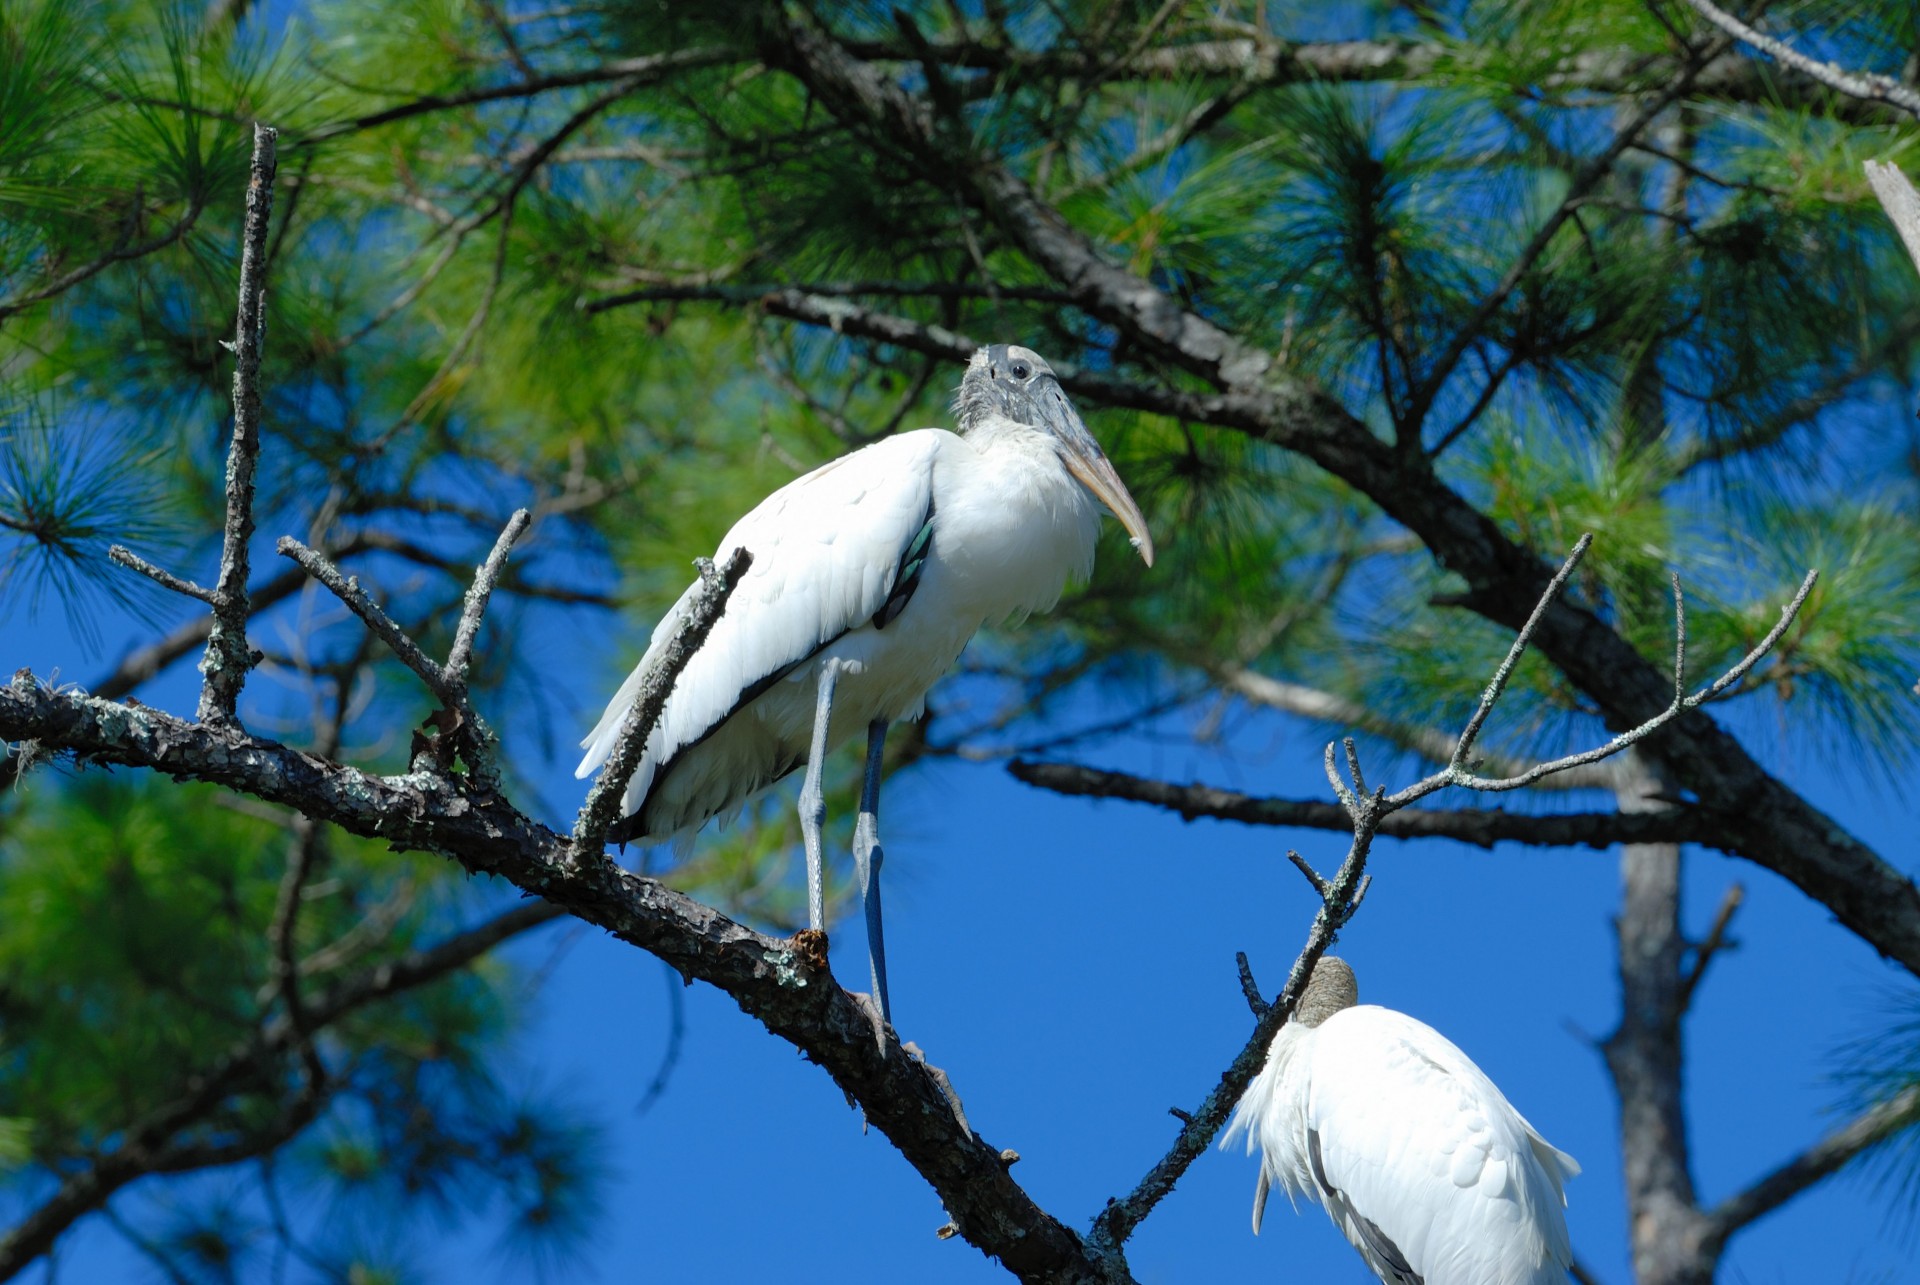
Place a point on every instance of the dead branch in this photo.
(228, 657)
(604, 800)
(1865, 85)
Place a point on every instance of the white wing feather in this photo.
(826, 548)
(1415, 1139)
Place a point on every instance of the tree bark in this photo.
(1667, 1234)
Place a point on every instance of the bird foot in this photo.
(881, 1026)
(946, 1086)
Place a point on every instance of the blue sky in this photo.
(1070, 964)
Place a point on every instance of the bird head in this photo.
(1015, 383)
(1331, 988)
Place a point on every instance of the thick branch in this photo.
(784, 984)
(1765, 821)
(1482, 827)
(1263, 62)
(1901, 203)
(1823, 1159)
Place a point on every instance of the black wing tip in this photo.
(625, 830)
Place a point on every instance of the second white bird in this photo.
(1418, 1158)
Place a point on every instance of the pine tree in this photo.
(1380, 306)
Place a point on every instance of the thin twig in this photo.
(347, 589)
(283, 959)
(1504, 674)
(676, 1036)
(608, 794)
(461, 654)
(1716, 941)
(1453, 774)
(228, 657)
(1255, 1001)
(121, 555)
(1679, 639)
(1313, 876)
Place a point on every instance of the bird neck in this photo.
(991, 430)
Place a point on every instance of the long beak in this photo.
(1087, 462)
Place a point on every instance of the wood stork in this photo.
(869, 576)
(1419, 1160)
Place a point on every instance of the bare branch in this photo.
(1481, 827)
(1428, 742)
(608, 794)
(228, 658)
(121, 253)
(1715, 941)
(1680, 705)
(1504, 674)
(640, 71)
(1679, 640)
(283, 961)
(1901, 202)
(347, 589)
(772, 293)
(461, 654)
(1255, 1001)
(1821, 1160)
(1864, 85)
(783, 983)
(1340, 897)
(121, 555)
(1313, 877)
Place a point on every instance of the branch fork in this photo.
(1341, 895)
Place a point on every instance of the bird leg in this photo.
(813, 800)
(867, 856)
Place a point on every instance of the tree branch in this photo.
(1823, 1159)
(1866, 86)
(641, 71)
(1716, 941)
(606, 798)
(783, 984)
(228, 657)
(1482, 827)
(1901, 203)
(1428, 742)
(1765, 821)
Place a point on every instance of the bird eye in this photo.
(1021, 370)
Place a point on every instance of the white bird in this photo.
(869, 576)
(1419, 1159)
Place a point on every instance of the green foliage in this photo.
(447, 341)
(136, 954)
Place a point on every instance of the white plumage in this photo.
(1416, 1155)
(880, 565)
(1011, 526)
